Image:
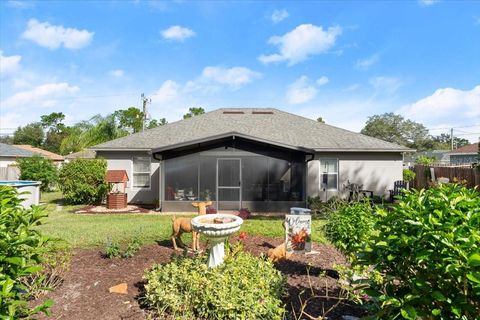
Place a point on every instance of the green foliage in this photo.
(56, 257)
(21, 247)
(82, 181)
(31, 134)
(243, 287)
(350, 226)
(132, 248)
(192, 112)
(408, 175)
(428, 249)
(443, 142)
(130, 119)
(394, 128)
(424, 160)
(112, 250)
(157, 123)
(38, 168)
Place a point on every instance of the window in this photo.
(141, 172)
(181, 178)
(329, 174)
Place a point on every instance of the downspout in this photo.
(160, 179)
(306, 175)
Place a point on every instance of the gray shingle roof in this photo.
(269, 125)
(7, 150)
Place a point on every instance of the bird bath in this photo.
(217, 227)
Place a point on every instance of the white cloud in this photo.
(50, 36)
(9, 64)
(301, 91)
(44, 95)
(364, 64)
(177, 33)
(20, 4)
(427, 3)
(279, 15)
(300, 43)
(117, 73)
(322, 81)
(167, 92)
(353, 87)
(234, 77)
(385, 85)
(446, 105)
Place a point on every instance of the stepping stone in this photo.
(121, 288)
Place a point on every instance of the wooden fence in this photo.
(470, 175)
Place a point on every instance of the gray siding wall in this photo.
(376, 171)
(123, 160)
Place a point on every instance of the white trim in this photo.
(320, 174)
(149, 173)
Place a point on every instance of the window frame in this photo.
(144, 172)
(320, 179)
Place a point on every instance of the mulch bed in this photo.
(84, 293)
(103, 210)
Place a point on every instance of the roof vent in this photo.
(262, 112)
(233, 112)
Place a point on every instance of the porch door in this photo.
(229, 183)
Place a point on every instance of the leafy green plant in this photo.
(82, 181)
(427, 247)
(56, 257)
(38, 168)
(112, 250)
(243, 287)
(425, 160)
(132, 248)
(408, 175)
(21, 247)
(350, 226)
(323, 208)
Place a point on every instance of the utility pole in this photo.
(145, 100)
(451, 138)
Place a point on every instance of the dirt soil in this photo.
(84, 293)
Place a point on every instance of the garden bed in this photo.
(104, 210)
(84, 294)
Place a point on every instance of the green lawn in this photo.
(85, 231)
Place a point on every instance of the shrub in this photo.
(37, 168)
(408, 175)
(428, 249)
(325, 208)
(20, 254)
(56, 257)
(350, 226)
(425, 160)
(132, 248)
(82, 181)
(243, 287)
(112, 250)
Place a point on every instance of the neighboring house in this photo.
(440, 156)
(465, 155)
(83, 154)
(8, 158)
(56, 158)
(261, 159)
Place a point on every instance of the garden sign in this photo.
(298, 228)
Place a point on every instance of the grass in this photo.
(94, 230)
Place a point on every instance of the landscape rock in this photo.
(121, 288)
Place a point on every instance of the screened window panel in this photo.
(141, 180)
(279, 178)
(181, 179)
(141, 164)
(254, 178)
(208, 174)
(228, 172)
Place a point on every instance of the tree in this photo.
(38, 168)
(156, 123)
(444, 142)
(56, 130)
(31, 134)
(6, 139)
(52, 120)
(396, 129)
(320, 119)
(130, 119)
(194, 112)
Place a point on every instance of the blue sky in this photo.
(343, 61)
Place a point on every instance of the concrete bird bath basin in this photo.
(217, 227)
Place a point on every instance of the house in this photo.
(56, 158)
(8, 159)
(261, 159)
(440, 156)
(83, 154)
(465, 155)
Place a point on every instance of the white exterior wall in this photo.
(123, 160)
(6, 161)
(376, 171)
